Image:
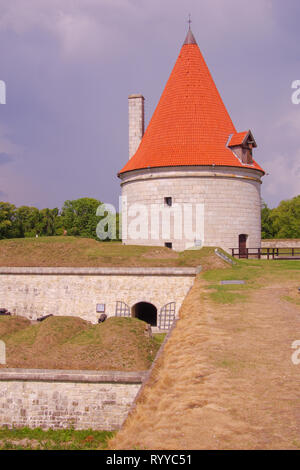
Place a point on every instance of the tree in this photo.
(79, 217)
(267, 228)
(47, 223)
(8, 226)
(27, 219)
(286, 219)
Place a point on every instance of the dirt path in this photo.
(225, 379)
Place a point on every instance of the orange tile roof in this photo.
(190, 125)
(237, 139)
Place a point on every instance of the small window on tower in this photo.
(168, 201)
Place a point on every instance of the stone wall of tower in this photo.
(230, 197)
(136, 122)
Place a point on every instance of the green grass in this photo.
(228, 363)
(231, 293)
(65, 439)
(234, 365)
(239, 272)
(86, 252)
(159, 338)
(291, 299)
(73, 343)
(224, 297)
(296, 444)
(25, 336)
(253, 272)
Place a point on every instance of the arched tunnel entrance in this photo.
(146, 312)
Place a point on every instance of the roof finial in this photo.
(189, 37)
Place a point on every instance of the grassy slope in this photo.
(73, 343)
(62, 439)
(85, 252)
(226, 379)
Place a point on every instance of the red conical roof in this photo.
(190, 125)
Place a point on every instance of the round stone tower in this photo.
(191, 179)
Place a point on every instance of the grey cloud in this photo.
(69, 67)
(5, 158)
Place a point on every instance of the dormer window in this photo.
(242, 144)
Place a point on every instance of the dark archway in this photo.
(146, 312)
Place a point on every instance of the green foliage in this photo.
(48, 222)
(159, 338)
(7, 220)
(282, 221)
(286, 219)
(267, 229)
(62, 439)
(80, 218)
(31, 221)
(77, 218)
(27, 219)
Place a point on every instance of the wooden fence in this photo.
(266, 253)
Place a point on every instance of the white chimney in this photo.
(136, 122)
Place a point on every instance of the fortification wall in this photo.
(281, 243)
(61, 399)
(230, 197)
(33, 292)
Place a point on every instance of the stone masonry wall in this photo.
(230, 197)
(63, 399)
(33, 292)
(281, 243)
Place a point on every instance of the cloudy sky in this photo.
(69, 66)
